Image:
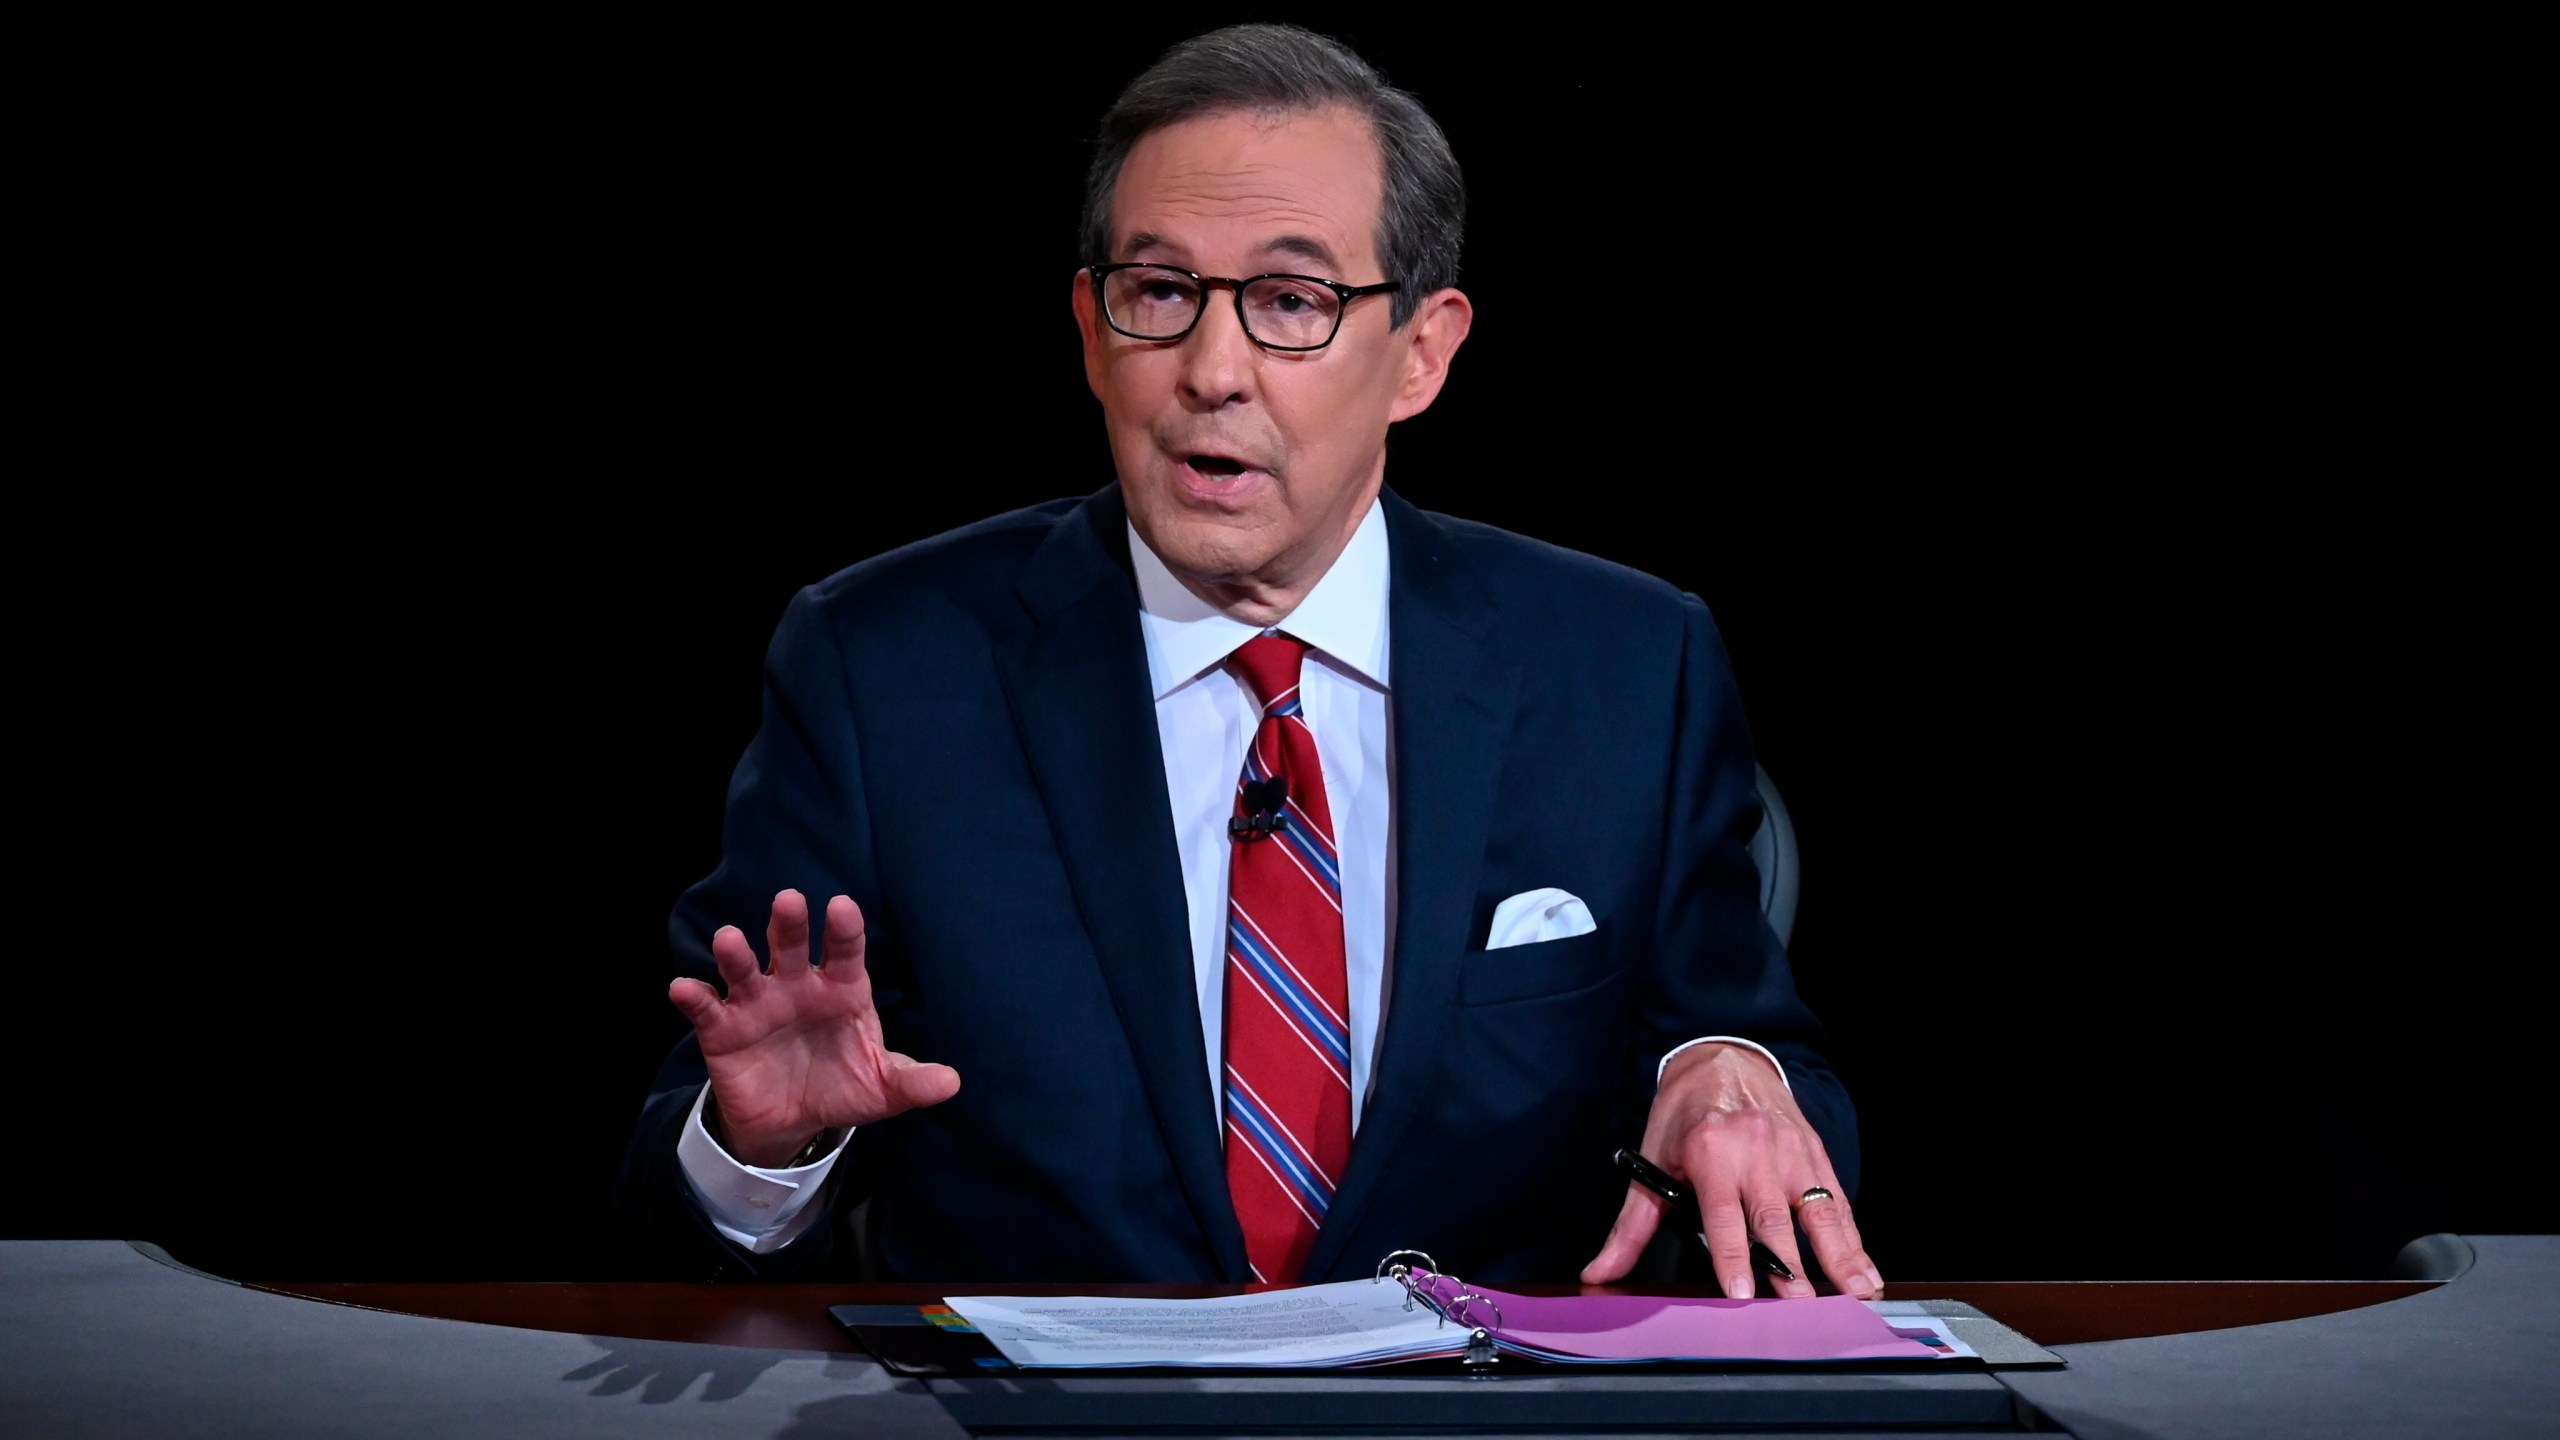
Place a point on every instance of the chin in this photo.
(1208, 553)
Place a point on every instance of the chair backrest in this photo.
(2441, 1256)
(1773, 849)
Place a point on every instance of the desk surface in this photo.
(105, 1339)
(794, 1317)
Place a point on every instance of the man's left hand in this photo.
(1723, 1124)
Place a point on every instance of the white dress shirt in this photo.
(1205, 720)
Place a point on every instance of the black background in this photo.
(2097, 445)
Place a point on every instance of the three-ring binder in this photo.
(1427, 1315)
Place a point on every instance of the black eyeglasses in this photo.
(1280, 312)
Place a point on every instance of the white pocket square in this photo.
(1534, 915)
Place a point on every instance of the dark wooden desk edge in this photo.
(794, 1317)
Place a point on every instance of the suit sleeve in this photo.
(795, 818)
(1717, 967)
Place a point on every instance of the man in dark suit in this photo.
(1010, 756)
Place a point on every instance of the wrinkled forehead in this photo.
(1301, 185)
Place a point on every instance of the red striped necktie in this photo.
(1288, 1073)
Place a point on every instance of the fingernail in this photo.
(1737, 1287)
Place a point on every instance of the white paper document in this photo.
(1351, 1322)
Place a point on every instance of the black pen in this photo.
(1645, 1173)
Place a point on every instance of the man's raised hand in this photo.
(796, 1052)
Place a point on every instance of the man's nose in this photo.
(1218, 357)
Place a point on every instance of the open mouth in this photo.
(1216, 467)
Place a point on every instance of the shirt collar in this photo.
(1344, 616)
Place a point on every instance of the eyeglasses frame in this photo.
(1345, 293)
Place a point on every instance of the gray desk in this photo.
(100, 1338)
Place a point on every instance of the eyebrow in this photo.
(1303, 247)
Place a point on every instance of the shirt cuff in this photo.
(758, 1210)
(1725, 1040)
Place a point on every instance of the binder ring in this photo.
(1428, 1289)
(1459, 1312)
(1389, 1269)
(1456, 1307)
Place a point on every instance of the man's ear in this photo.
(1437, 328)
(1088, 325)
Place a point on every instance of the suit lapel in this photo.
(1453, 695)
(1077, 681)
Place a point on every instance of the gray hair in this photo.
(1282, 67)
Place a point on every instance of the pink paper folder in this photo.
(1623, 1328)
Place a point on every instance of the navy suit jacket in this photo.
(960, 735)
